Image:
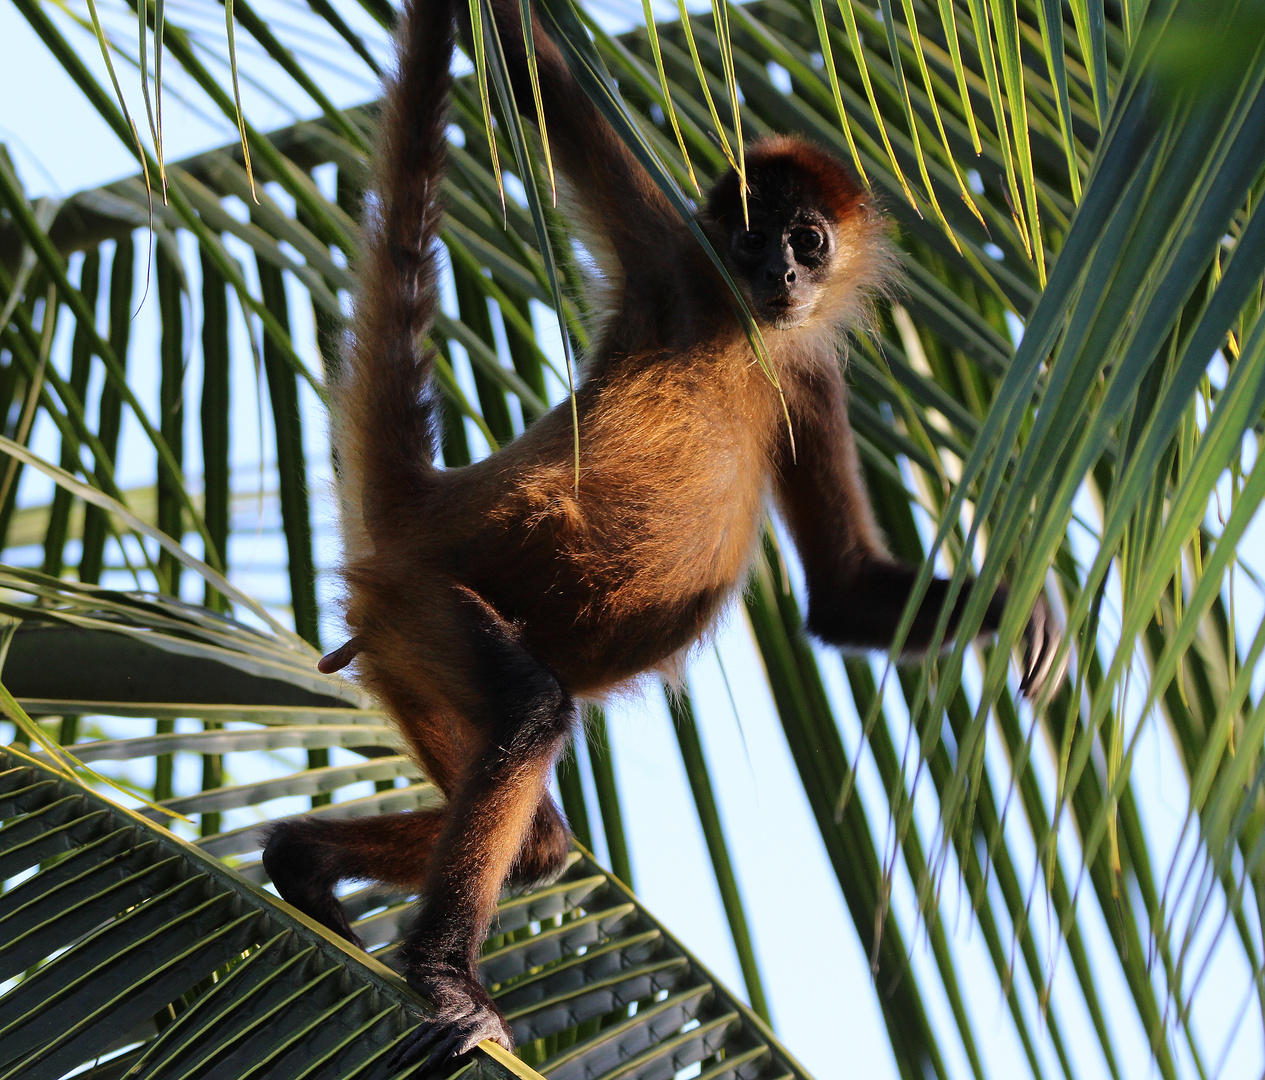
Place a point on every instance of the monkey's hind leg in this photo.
(519, 717)
(307, 857)
(512, 718)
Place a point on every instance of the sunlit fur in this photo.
(483, 601)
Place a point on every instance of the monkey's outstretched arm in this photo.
(857, 591)
(620, 207)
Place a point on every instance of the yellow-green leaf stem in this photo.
(1050, 16)
(916, 39)
(237, 95)
(522, 155)
(720, 16)
(533, 73)
(99, 32)
(902, 91)
(142, 30)
(480, 62)
(858, 54)
(160, 22)
(1089, 32)
(1006, 21)
(61, 759)
(984, 46)
(948, 21)
(828, 56)
(669, 110)
(27, 416)
(699, 70)
(98, 498)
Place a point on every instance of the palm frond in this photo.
(178, 960)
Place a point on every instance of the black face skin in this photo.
(783, 258)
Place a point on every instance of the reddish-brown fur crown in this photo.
(793, 171)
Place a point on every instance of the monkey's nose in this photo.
(781, 274)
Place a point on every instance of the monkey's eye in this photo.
(807, 241)
(752, 241)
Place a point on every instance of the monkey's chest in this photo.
(666, 533)
(613, 580)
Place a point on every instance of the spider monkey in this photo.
(484, 600)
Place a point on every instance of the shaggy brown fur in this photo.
(482, 600)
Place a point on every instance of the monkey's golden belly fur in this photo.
(617, 578)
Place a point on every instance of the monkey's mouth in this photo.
(783, 312)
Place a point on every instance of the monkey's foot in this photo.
(464, 1016)
(1042, 637)
(294, 864)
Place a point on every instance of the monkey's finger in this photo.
(1039, 664)
(1044, 640)
(419, 1044)
(435, 1043)
(1053, 668)
(454, 1046)
(1035, 646)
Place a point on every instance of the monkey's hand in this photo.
(464, 1016)
(1042, 637)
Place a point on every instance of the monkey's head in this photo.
(800, 201)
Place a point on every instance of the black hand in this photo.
(1042, 637)
(464, 1016)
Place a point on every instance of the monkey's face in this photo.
(785, 249)
(782, 259)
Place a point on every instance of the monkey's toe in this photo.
(464, 1016)
(327, 911)
(435, 1044)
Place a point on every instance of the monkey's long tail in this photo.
(383, 410)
